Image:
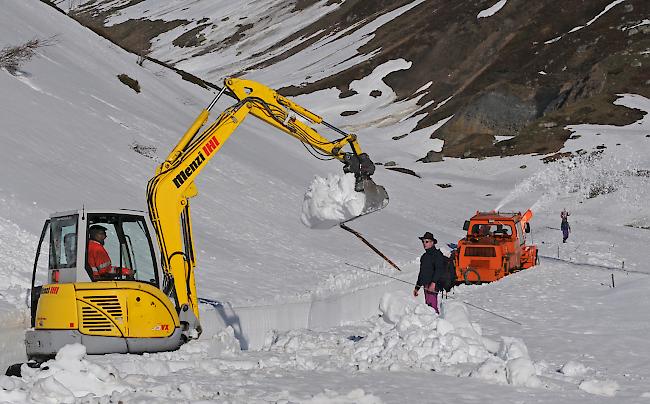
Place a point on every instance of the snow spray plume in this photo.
(582, 177)
(413, 284)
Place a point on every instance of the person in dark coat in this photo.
(431, 266)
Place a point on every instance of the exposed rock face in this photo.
(431, 157)
(586, 87)
(494, 112)
(505, 75)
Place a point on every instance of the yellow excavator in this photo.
(150, 304)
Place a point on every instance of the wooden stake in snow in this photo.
(366, 242)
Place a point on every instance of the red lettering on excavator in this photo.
(164, 327)
(52, 290)
(210, 146)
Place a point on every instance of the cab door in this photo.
(56, 256)
(39, 272)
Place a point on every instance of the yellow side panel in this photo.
(125, 309)
(57, 309)
(149, 316)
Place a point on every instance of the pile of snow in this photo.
(64, 379)
(405, 335)
(73, 376)
(330, 201)
(410, 335)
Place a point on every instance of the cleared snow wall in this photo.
(252, 324)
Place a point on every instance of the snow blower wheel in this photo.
(466, 276)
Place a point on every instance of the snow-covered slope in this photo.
(69, 128)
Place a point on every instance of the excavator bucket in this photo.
(376, 197)
(338, 199)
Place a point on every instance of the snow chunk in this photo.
(602, 388)
(573, 368)
(392, 306)
(521, 372)
(492, 370)
(512, 365)
(330, 201)
(222, 343)
(512, 348)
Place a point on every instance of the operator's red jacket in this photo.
(98, 259)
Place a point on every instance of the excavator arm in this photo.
(169, 191)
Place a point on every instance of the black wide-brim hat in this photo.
(428, 236)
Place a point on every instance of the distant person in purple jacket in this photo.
(565, 227)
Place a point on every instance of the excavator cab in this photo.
(64, 243)
(114, 313)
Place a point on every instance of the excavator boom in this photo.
(169, 191)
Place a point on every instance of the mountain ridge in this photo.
(523, 72)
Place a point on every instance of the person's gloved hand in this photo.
(127, 271)
(415, 292)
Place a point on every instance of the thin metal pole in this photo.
(379, 273)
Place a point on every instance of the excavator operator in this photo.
(98, 259)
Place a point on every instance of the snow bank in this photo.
(356, 396)
(17, 249)
(71, 377)
(330, 201)
(409, 335)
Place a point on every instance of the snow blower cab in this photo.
(495, 246)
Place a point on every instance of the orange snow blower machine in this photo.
(495, 246)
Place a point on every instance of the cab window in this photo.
(63, 242)
(128, 245)
(491, 230)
